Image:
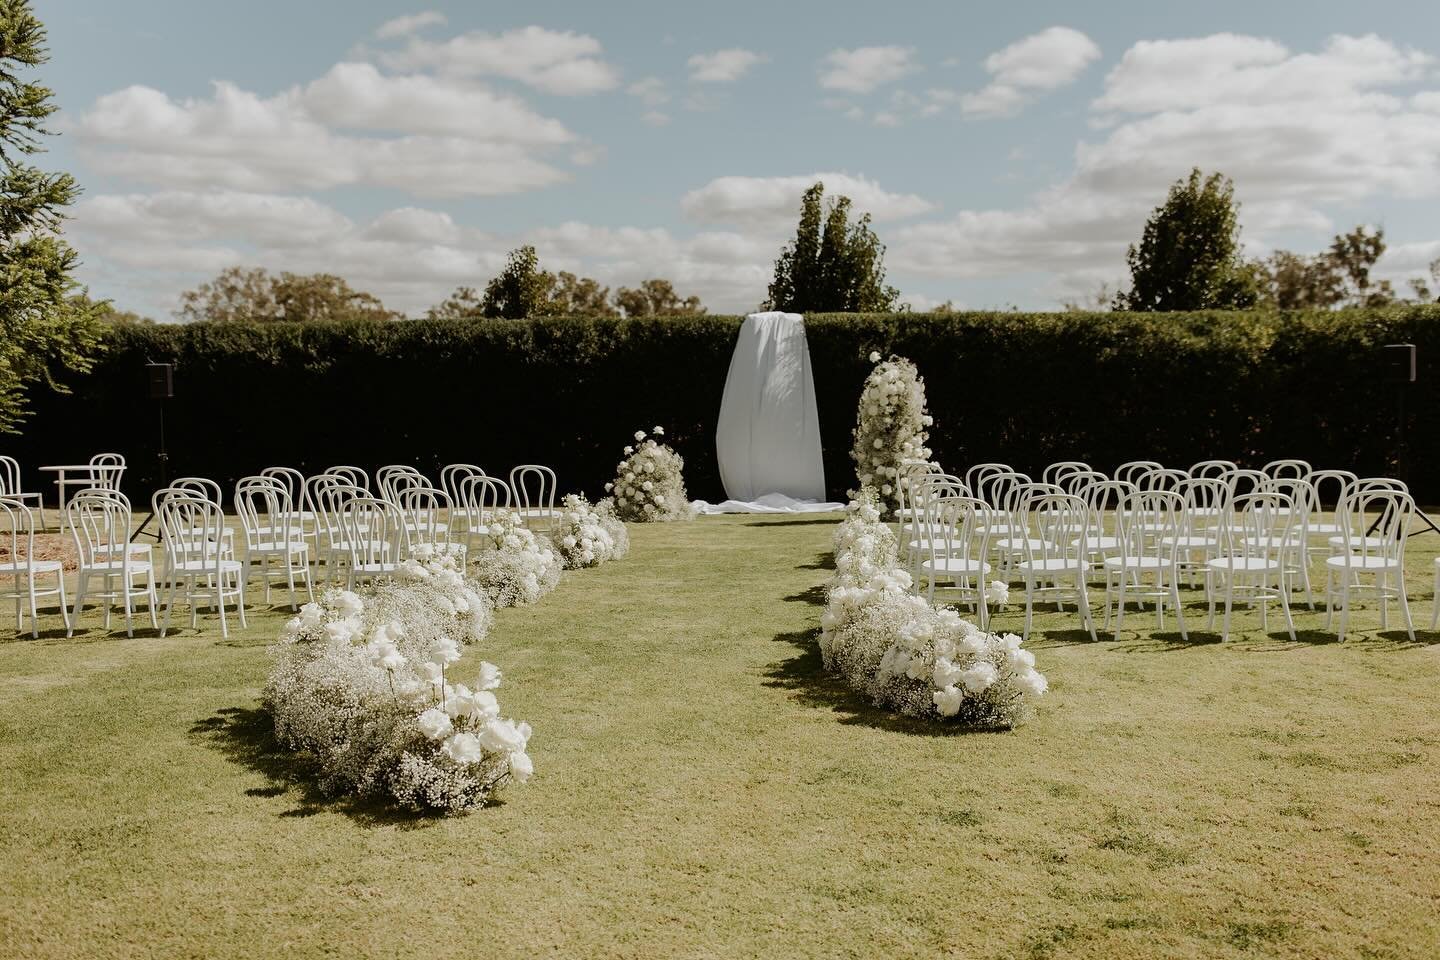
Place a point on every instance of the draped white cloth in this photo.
(769, 503)
(767, 439)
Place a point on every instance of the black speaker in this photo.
(1399, 362)
(162, 380)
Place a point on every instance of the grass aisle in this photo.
(702, 789)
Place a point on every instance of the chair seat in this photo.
(1354, 543)
(275, 546)
(1353, 562)
(1053, 563)
(29, 567)
(928, 543)
(1136, 563)
(412, 526)
(1245, 564)
(955, 565)
(1019, 545)
(1190, 543)
(379, 567)
(199, 565)
(134, 549)
(1095, 544)
(115, 566)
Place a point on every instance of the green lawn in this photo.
(703, 789)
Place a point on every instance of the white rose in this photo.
(1032, 683)
(434, 723)
(979, 677)
(339, 631)
(520, 766)
(349, 604)
(947, 674)
(489, 676)
(874, 356)
(483, 705)
(501, 736)
(463, 748)
(639, 435)
(948, 700)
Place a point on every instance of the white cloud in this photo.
(559, 62)
(1303, 135)
(655, 118)
(776, 200)
(452, 139)
(1047, 60)
(404, 26)
(866, 68)
(651, 91)
(722, 66)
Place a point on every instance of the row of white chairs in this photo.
(1253, 547)
(289, 525)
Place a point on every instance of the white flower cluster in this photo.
(429, 593)
(650, 482)
(513, 564)
(589, 536)
(369, 699)
(890, 427)
(905, 653)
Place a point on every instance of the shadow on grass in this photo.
(246, 736)
(829, 521)
(810, 684)
(815, 596)
(825, 561)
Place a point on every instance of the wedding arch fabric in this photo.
(767, 439)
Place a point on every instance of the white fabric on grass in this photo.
(769, 503)
(767, 439)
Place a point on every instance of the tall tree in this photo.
(1339, 276)
(48, 327)
(657, 298)
(1188, 257)
(832, 265)
(521, 290)
(254, 295)
(572, 296)
(1427, 289)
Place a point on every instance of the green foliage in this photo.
(1337, 277)
(48, 328)
(254, 295)
(656, 298)
(523, 290)
(1189, 255)
(838, 267)
(1251, 386)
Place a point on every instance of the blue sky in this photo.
(1008, 153)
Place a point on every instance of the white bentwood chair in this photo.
(10, 487)
(377, 537)
(267, 518)
(958, 550)
(99, 522)
(22, 567)
(1050, 561)
(1374, 525)
(1149, 531)
(1253, 563)
(197, 558)
(534, 486)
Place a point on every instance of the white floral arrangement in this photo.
(650, 482)
(429, 592)
(512, 563)
(369, 698)
(590, 535)
(890, 427)
(907, 655)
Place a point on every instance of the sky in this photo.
(1008, 153)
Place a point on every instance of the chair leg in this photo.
(1229, 603)
(290, 581)
(1085, 615)
(240, 602)
(153, 599)
(1029, 603)
(1344, 606)
(170, 603)
(1179, 616)
(82, 581)
(1405, 605)
(1285, 605)
(34, 612)
(129, 607)
(1120, 606)
(1435, 600)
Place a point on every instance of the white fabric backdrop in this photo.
(767, 440)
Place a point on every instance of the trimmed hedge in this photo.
(1026, 389)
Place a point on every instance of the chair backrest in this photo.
(1150, 525)
(99, 522)
(328, 500)
(374, 530)
(453, 474)
(1133, 470)
(1217, 469)
(996, 487)
(928, 486)
(977, 476)
(266, 512)
(1058, 471)
(393, 485)
(958, 529)
(481, 497)
(9, 475)
(1242, 482)
(1302, 494)
(1287, 469)
(911, 471)
(1375, 524)
(191, 528)
(1065, 519)
(110, 468)
(1016, 517)
(294, 482)
(1077, 481)
(205, 487)
(1261, 525)
(1105, 502)
(1162, 478)
(355, 476)
(1339, 480)
(388, 476)
(19, 531)
(425, 510)
(1205, 501)
(534, 487)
